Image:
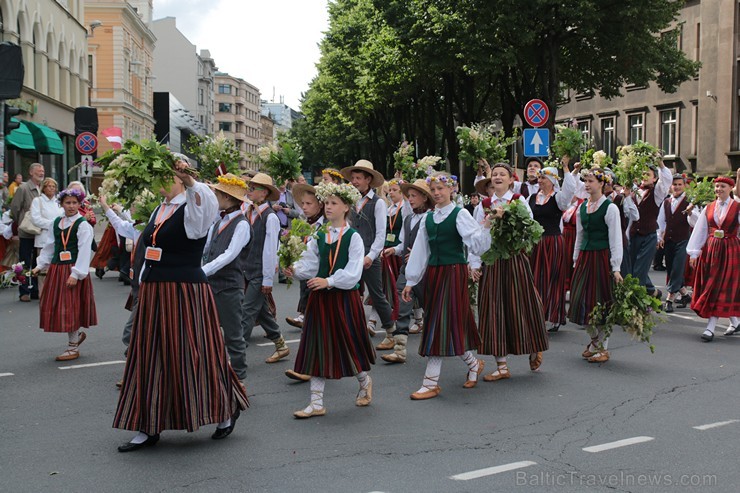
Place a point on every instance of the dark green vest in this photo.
(595, 230)
(445, 243)
(325, 249)
(71, 244)
(395, 230)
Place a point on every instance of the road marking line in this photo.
(90, 365)
(291, 341)
(617, 444)
(6, 374)
(710, 425)
(490, 471)
(685, 317)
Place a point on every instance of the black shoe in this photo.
(659, 267)
(131, 447)
(554, 328)
(657, 293)
(684, 301)
(99, 273)
(707, 337)
(224, 432)
(669, 307)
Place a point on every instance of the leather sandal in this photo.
(365, 395)
(600, 357)
(501, 373)
(470, 383)
(431, 391)
(536, 362)
(315, 411)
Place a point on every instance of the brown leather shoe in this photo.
(386, 345)
(314, 412)
(365, 396)
(294, 375)
(501, 373)
(536, 362)
(295, 322)
(469, 384)
(600, 357)
(25, 298)
(587, 353)
(430, 393)
(68, 355)
(281, 351)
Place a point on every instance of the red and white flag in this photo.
(114, 135)
(221, 170)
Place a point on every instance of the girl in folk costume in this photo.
(510, 314)
(548, 258)
(335, 343)
(397, 212)
(313, 208)
(714, 249)
(597, 257)
(675, 220)
(420, 200)
(67, 300)
(439, 253)
(177, 374)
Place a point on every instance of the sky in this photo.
(268, 43)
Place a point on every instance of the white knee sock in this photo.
(364, 379)
(140, 437)
(711, 324)
(418, 313)
(317, 394)
(74, 337)
(431, 375)
(472, 363)
(735, 321)
(224, 424)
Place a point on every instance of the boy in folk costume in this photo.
(597, 258)
(643, 238)
(369, 218)
(714, 250)
(420, 200)
(335, 343)
(439, 254)
(67, 300)
(260, 270)
(530, 187)
(675, 221)
(224, 258)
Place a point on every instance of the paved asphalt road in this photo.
(529, 433)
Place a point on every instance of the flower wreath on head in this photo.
(397, 181)
(599, 174)
(332, 172)
(346, 192)
(448, 180)
(237, 182)
(71, 192)
(548, 172)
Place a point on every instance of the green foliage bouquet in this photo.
(403, 159)
(701, 192)
(282, 160)
(569, 141)
(143, 207)
(516, 232)
(634, 160)
(212, 152)
(633, 309)
(293, 242)
(595, 159)
(480, 141)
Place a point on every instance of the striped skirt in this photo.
(177, 374)
(592, 284)
(105, 247)
(510, 311)
(334, 342)
(716, 282)
(569, 246)
(548, 267)
(449, 325)
(65, 309)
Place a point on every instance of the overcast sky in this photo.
(265, 42)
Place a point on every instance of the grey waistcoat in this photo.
(364, 222)
(253, 266)
(230, 276)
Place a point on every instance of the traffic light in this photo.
(8, 124)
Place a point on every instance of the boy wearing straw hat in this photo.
(224, 258)
(368, 217)
(260, 270)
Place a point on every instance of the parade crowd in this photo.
(389, 256)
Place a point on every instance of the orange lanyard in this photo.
(226, 225)
(364, 203)
(249, 216)
(158, 222)
(69, 232)
(333, 258)
(393, 219)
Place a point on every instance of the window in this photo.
(90, 71)
(607, 136)
(636, 128)
(697, 43)
(200, 97)
(224, 89)
(668, 133)
(585, 128)
(224, 126)
(224, 107)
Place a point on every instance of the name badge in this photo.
(390, 237)
(153, 253)
(65, 256)
(718, 233)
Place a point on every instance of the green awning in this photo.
(20, 138)
(46, 139)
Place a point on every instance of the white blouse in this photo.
(81, 268)
(198, 217)
(43, 212)
(701, 231)
(348, 277)
(613, 222)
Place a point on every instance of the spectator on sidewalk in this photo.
(19, 207)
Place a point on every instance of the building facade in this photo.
(282, 114)
(121, 60)
(267, 130)
(697, 126)
(238, 115)
(52, 37)
(175, 124)
(206, 110)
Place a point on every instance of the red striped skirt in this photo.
(105, 247)
(65, 309)
(177, 374)
(510, 313)
(449, 325)
(334, 342)
(717, 283)
(548, 267)
(569, 246)
(592, 283)
(688, 273)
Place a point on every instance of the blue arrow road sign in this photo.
(536, 142)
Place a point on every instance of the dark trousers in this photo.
(675, 263)
(405, 310)
(255, 306)
(373, 279)
(303, 300)
(659, 256)
(27, 255)
(626, 267)
(130, 323)
(229, 307)
(642, 253)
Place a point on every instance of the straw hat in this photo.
(367, 167)
(300, 189)
(419, 185)
(265, 181)
(481, 185)
(231, 185)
